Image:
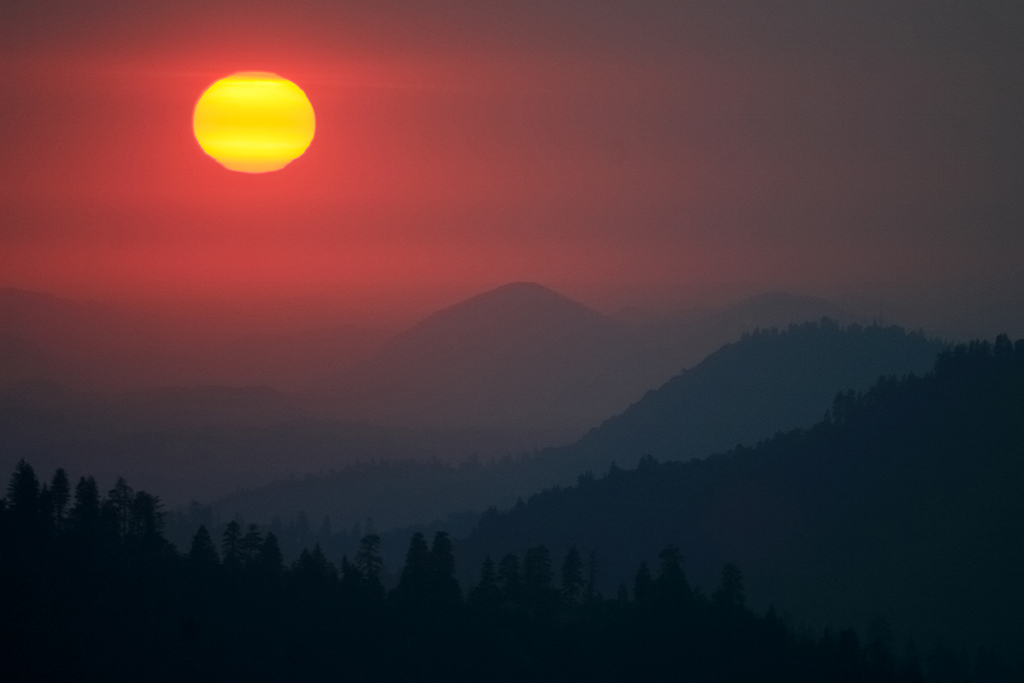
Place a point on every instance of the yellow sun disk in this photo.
(254, 122)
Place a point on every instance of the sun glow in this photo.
(254, 122)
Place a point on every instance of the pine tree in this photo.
(414, 583)
(671, 586)
(370, 565)
(147, 522)
(572, 575)
(250, 546)
(729, 596)
(231, 545)
(486, 594)
(60, 494)
(25, 514)
(203, 554)
(118, 507)
(537, 576)
(270, 559)
(509, 579)
(23, 496)
(444, 586)
(84, 518)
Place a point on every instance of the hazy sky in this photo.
(621, 152)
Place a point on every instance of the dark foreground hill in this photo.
(905, 502)
(91, 591)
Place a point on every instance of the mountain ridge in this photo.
(902, 503)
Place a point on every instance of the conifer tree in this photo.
(231, 545)
(729, 596)
(444, 586)
(509, 579)
(572, 575)
(85, 515)
(671, 586)
(23, 493)
(414, 583)
(250, 546)
(118, 507)
(270, 559)
(147, 522)
(370, 565)
(537, 576)
(485, 595)
(60, 495)
(203, 554)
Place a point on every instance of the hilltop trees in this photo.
(135, 603)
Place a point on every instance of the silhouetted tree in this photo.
(269, 560)
(250, 546)
(537, 589)
(671, 586)
(509, 579)
(486, 594)
(370, 564)
(203, 554)
(729, 596)
(147, 522)
(60, 494)
(24, 513)
(444, 587)
(312, 568)
(351, 581)
(411, 593)
(572, 575)
(118, 507)
(231, 545)
(85, 515)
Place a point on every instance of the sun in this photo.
(254, 122)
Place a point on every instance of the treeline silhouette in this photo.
(904, 501)
(91, 590)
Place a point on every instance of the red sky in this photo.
(623, 153)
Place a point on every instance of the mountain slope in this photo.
(523, 355)
(905, 502)
(507, 356)
(746, 391)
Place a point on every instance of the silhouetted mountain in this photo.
(745, 392)
(904, 502)
(748, 390)
(524, 355)
(508, 356)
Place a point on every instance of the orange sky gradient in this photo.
(448, 160)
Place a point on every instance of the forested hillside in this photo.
(747, 391)
(768, 381)
(904, 502)
(91, 591)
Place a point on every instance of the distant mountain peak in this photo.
(511, 303)
(526, 292)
